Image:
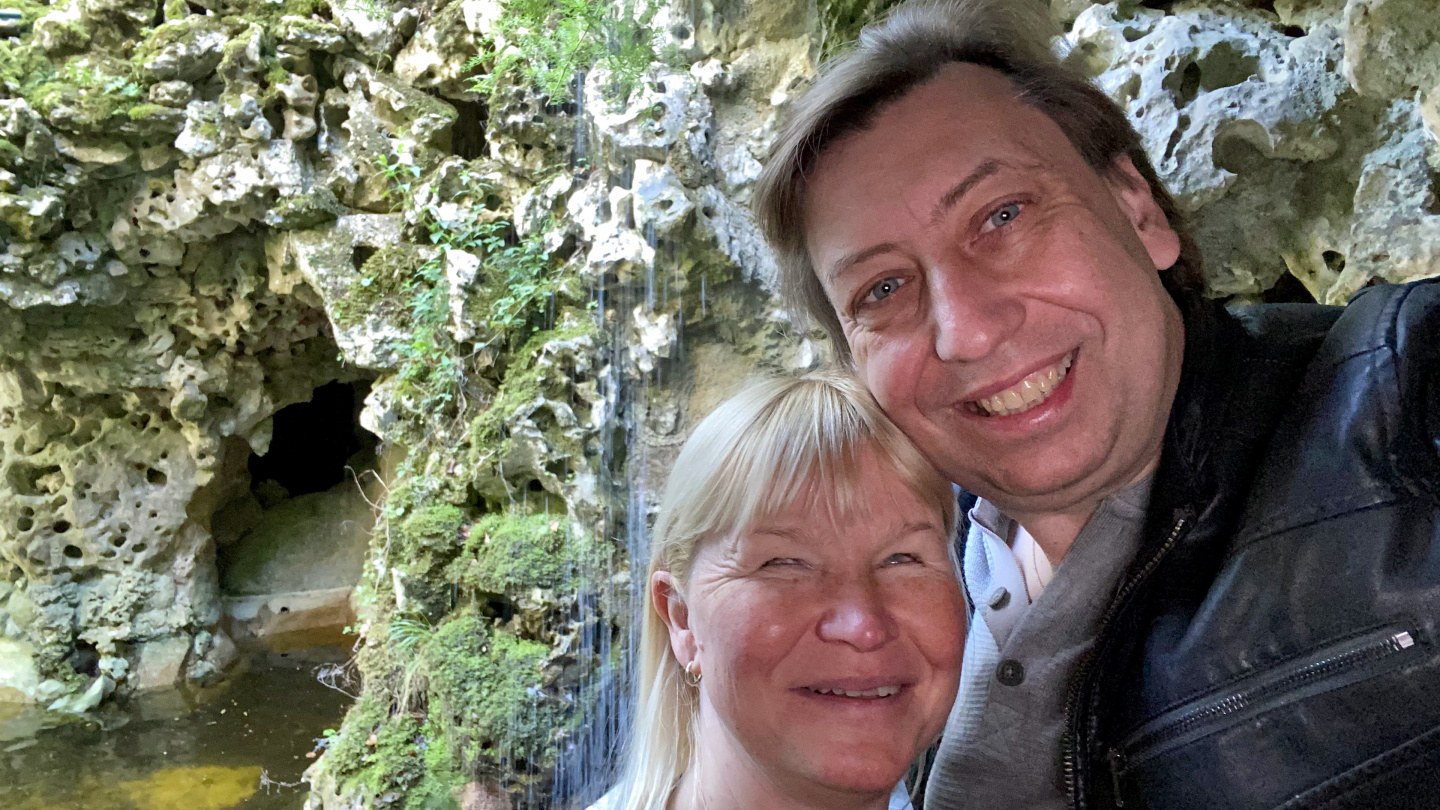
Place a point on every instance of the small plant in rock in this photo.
(548, 43)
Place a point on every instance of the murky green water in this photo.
(242, 745)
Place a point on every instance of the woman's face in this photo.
(829, 648)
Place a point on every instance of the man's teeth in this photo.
(1028, 393)
(878, 692)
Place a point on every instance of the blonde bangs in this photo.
(781, 441)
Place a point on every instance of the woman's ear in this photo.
(1132, 191)
(670, 604)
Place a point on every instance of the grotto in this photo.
(345, 344)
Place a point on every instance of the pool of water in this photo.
(242, 745)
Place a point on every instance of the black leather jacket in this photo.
(1274, 643)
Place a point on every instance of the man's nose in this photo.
(858, 617)
(972, 312)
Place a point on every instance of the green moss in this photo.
(92, 92)
(484, 690)
(525, 379)
(431, 527)
(512, 554)
(147, 112)
(383, 287)
(23, 66)
(10, 155)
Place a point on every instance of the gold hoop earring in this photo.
(692, 673)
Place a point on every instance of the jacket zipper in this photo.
(1069, 745)
(1369, 649)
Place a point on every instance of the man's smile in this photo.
(1033, 389)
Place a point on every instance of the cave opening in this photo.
(292, 531)
(313, 442)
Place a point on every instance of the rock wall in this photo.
(521, 227)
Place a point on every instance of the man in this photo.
(1244, 507)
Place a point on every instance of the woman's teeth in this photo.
(878, 692)
(1026, 394)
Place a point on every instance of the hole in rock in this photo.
(360, 255)
(25, 478)
(74, 552)
(1288, 290)
(1334, 260)
(84, 659)
(468, 132)
(24, 524)
(155, 476)
(312, 441)
(61, 526)
(139, 548)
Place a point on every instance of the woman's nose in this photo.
(858, 618)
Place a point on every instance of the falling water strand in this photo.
(588, 764)
(650, 240)
(581, 146)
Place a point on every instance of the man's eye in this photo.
(1003, 215)
(884, 288)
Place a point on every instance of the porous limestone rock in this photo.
(206, 218)
(1257, 131)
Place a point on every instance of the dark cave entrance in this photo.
(313, 443)
(292, 532)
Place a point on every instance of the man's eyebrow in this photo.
(846, 262)
(963, 187)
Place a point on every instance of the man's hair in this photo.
(906, 49)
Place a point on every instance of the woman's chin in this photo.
(861, 774)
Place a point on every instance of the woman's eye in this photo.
(781, 562)
(1003, 215)
(901, 559)
(884, 288)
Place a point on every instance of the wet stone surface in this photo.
(242, 745)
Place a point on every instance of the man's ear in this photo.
(1132, 192)
(670, 605)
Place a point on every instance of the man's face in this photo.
(1001, 299)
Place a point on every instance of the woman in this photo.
(802, 645)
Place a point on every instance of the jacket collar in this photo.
(1238, 375)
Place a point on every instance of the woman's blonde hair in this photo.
(780, 439)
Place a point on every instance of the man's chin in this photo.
(1036, 487)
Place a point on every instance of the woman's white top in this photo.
(899, 800)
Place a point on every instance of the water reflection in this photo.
(241, 746)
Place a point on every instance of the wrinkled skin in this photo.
(965, 244)
(810, 600)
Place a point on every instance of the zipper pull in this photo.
(1117, 767)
